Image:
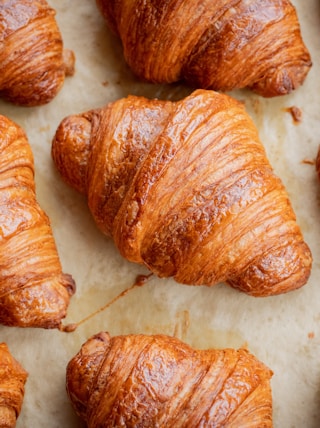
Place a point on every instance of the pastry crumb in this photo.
(308, 161)
(296, 114)
(44, 128)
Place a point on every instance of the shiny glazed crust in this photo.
(186, 189)
(220, 45)
(33, 290)
(33, 64)
(12, 381)
(158, 381)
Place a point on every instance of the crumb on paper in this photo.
(311, 335)
(296, 113)
(44, 128)
(308, 161)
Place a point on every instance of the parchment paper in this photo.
(282, 331)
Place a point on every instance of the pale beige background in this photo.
(282, 331)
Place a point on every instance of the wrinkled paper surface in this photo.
(282, 331)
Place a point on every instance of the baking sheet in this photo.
(282, 331)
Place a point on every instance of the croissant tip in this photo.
(68, 328)
(70, 284)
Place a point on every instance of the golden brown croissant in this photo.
(33, 290)
(12, 380)
(185, 188)
(33, 64)
(220, 45)
(158, 381)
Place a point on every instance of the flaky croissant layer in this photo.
(33, 63)
(158, 381)
(186, 189)
(12, 382)
(34, 292)
(221, 45)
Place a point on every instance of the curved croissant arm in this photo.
(33, 64)
(33, 290)
(149, 381)
(221, 45)
(185, 188)
(12, 381)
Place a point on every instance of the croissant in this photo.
(185, 188)
(220, 45)
(33, 290)
(159, 381)
(12, 381)
(33, 63)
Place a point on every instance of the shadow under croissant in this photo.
(186, 189)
